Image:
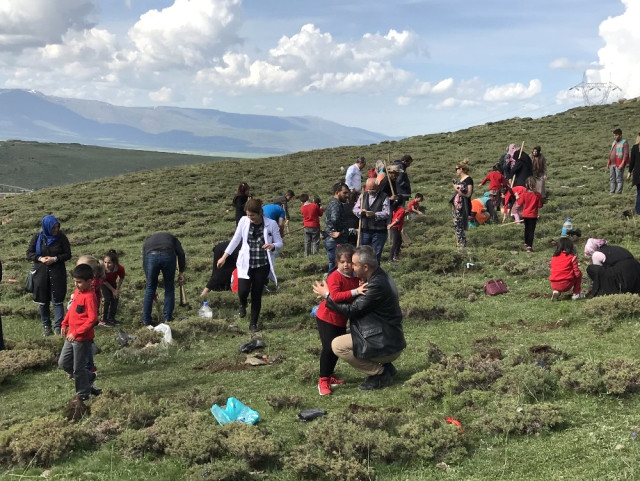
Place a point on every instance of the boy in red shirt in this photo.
(413, 208)
(343, 285)
(530, 201)
(311, 212)
(77, 328)
(497, 184)
(395, 230)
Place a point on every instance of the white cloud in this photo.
(32, 23)
(311, 61)
(563, 63)
(513, 91)
(162, 95)
(619, 57)
(186, 34)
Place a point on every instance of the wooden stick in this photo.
(183, 295)
(513, 179)
(359, 229)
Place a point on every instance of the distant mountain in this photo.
(31, 115)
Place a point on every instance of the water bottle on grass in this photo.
(205, 311)
(566, 227)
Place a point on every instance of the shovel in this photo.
(183, 296)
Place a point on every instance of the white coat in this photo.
(271, 236)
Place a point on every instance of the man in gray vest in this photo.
(372, 207)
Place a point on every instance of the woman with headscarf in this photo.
(539, 167)
(240, 199)
(49, 250)
(614, 270)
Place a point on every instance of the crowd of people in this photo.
(360, 217)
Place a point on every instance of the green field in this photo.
(543, 390)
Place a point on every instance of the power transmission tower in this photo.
(595, 93)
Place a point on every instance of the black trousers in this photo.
(328, 332)
(396, 243)
(255, 285)
(529, 229)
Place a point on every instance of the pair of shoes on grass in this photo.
(379, 381)
(326, 383)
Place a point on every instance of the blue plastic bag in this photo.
(314, 309)
(234, 411)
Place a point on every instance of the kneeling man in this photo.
(376, 338)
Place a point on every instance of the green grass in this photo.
(443, 301)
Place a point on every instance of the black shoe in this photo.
(390, 369)
(47, 331)
(95, 390)
(377, 382)
(83, 397)
(242, 312)
(254, 327)
(57, 331)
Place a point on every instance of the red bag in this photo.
(495, 287)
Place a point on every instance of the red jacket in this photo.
(530, 202)
(82, 315)
(397, 219)
(496, 180)
(564, 267)
(340, 287)
(112, 276)
(311, 215)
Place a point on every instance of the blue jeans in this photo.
(45, 313)
(375, 239)
(155, 263)
(330, 245)
(616, 179)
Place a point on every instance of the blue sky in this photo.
(400, 68)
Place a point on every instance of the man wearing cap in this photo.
(403, 185)
(372, 207)
(388, 184)
(353, 177)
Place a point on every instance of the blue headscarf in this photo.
(48, 223)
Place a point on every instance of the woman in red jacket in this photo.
(530, 201)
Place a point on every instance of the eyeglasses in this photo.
(458, 168)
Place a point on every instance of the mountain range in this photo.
(31, 115)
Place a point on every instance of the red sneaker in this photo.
(334, 381)
(324, 386)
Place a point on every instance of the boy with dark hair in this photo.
(311, 212)
(77, 328)
(413, 209)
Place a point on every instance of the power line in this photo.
(595, 93)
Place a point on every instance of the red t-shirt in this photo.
(564, 267)
(398, 218)
(112, 276)
(413, 206)
(311, 213)
(82, 315)
(340, 287)
(530, 202)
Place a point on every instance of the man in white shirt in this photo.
(353, 177)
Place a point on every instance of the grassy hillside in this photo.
(543, 390)
(35, 165)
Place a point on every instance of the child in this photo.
(77, 328)
(395, 230)
(311, 212)
(343, 287)
(531, 201)
(510, 204)
(565, 273)
(413, 208)
(114, 276)
(497, 184)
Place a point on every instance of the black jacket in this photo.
(634, 164)
(375, 317)
(335, 219)
(50, 281)
(522, 170)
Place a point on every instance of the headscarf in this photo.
(593, 245)
(48, 223)
(511, 150)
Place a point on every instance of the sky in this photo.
(401, 68)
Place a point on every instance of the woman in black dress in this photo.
(614, 270)
(240, 199)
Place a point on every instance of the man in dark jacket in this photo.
(374, 212)
(159, 254)
(403, 185)
(522, 169)
(336, 228)
(376, 338)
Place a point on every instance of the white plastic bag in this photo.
(166, 330)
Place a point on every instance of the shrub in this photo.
(334, 467)
(135, 443)
(617, 306)
(621, 376)
(528, 382)
(283, 401)
(249, 443)
(220, 470)
(17, 360)
(133, 410)
(433, 439)
(510, 419)
(581, 376)
(42, 441)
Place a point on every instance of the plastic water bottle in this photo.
(566, 227)
(205, 311)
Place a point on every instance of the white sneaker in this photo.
(555, 296)
(575, 297)
(150, 327)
